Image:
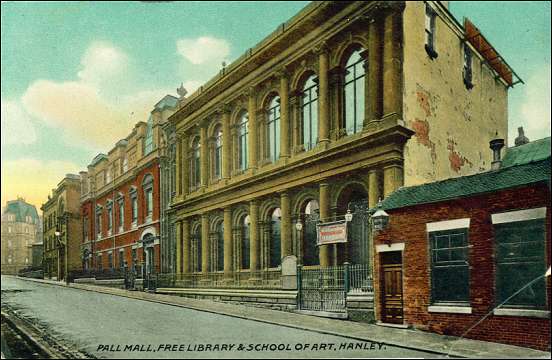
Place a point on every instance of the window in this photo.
(99, 260)
(430, 16)
(134, 207)
(245, 243)
(275, 250)
(467, 71)
(220, 246)
(273, 127)
(121, 214)
(109, 218)
(520, 258)
(354, 93)
(195, 167)
(85, 228)
(110, 260)
(149, 203)
(218, 153)
(125, 165)
(242, 140)
(449, 266)
(148, 140)
(310, 217)
(121, 258)
(99, 223)
(108, 176)
(310, 113)
(134, 260)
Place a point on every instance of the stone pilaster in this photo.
(178, 161)
(178, 241)
(373, 188)
(374, 73)
(252, 137)
(254, 236)
(324, 203)
(228, 244)
(285, 224)
(186, 246)
(392, 94)
(205, 244)
(323, 94)
(392, 178)
(284, 114)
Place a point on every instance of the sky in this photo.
(76, 76)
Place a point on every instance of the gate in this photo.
(322, 289)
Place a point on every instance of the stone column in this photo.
(254, 236)
(204, 156)
(178, 240)
(324, 203)
(392, 94)
(252, 136)
(285, 230)
(374, 96)
(226, 143)
(323, 95)
(205, 244)
(284, 115)
(373, 188)
(228, 243)
(184, 166)
(186, 247)
(392, 178)
(178, 161)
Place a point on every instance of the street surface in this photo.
(108, 326)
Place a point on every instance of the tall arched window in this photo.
(310, 217)
(220, 246)
(245, 242)
(275, 250)
(310, 113)
(196, 241)
(354, 93)
(218, 153)
(243, 130)
(195, 168)
(273, 126)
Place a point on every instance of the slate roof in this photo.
(21, 210)
(522, 165)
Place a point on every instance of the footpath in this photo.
(403, 338)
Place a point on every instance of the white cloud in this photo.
(205, 49)
(102, 62)
(17, 127)
(534, 111)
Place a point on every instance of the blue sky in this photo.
(77, 75)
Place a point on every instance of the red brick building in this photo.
(458, 250)
(120, 200)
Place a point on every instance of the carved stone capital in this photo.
(321, 48)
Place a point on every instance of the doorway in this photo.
(391, 287)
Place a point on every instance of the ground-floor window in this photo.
(275, 237)
(245, 243)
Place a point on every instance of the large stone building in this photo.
(338, 107)
(19, 232)
(120, 199)
(62, 229)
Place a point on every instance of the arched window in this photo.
(220, 246)
(275, 250)
(195, 168)
(310, 217)
(243, 130)
(196, 243)
(218, 153)
(310, 113)
(245, 242)
(273, 127)
(354, 93)
(148, 140)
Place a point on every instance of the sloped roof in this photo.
(523, 165)
(21, 210)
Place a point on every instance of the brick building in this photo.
(120, 200)
(455, 250)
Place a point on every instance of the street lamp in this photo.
(380, 219)
(348, 216)
(299, 226)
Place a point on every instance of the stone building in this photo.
(338, 107)
(19, 233)
(462, 248)
(119, 202)
(62, 229)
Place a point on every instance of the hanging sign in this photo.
(332, 233)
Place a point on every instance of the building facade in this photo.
(62, 229)
(19, 232)
(472, 249)
(119, 203)
(340, 106)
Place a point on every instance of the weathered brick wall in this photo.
(409, 226)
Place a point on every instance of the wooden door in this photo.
(391, 281)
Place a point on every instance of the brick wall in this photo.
(408, 225)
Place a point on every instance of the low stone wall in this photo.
(112, 283)
(360, 307)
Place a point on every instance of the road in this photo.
(108, 326)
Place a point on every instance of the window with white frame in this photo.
(121, 213)
(134, 206)
(147, 186)
(243, 131)
(309, 113)
(273, 129)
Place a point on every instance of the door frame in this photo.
(395, 247)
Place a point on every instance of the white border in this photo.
(519, 215)
(390, 247)
(448, 225)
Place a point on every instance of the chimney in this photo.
(521, 139)
(496, 145)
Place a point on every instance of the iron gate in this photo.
(322, 289)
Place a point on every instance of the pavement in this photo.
(401, 338)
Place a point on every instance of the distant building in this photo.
(62, 229)
(456, 249)
(19, 232)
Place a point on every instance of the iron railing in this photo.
(265, 279)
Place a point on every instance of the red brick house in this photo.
(457, 250)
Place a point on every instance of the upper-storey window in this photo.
(310, 113)
(99, 223)
(243, 129)
(148, 140)
(147, 186)
(218, 153)
(121, 204)
(430, 16)
(354, 93)
(109, 217)
(467, 71)
(133, 206)
(273, 128)
(108, 176)
(195, 162)
(125, 165)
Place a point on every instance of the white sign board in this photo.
(332, 233)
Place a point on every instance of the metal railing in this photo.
(360, 279)
(264, 279)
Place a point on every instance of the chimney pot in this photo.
(521, 139)
(496, 145)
